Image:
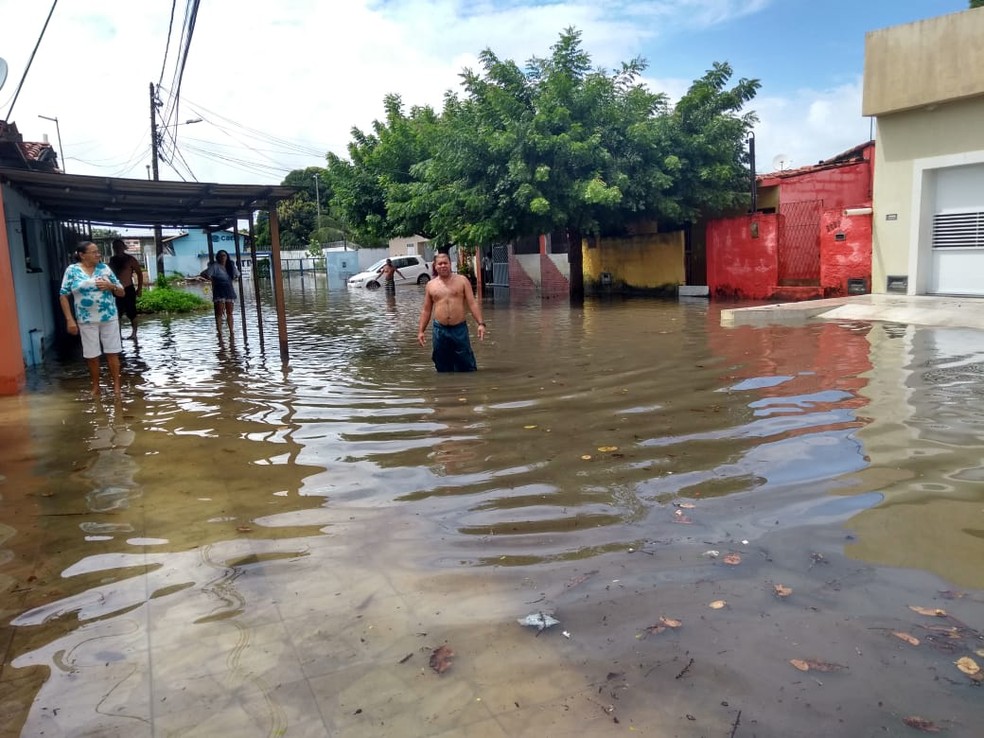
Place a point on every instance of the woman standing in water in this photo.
(223, 273)
(94, 289)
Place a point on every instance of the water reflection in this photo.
(223, 487)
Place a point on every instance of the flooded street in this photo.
(239, 550)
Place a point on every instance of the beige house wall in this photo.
(924, 63)
(911, 148)
(924, 82)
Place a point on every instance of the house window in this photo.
(32, 254)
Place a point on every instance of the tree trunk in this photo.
(575, 259)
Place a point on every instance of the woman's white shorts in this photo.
(100, 338)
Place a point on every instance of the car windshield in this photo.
(377, 266)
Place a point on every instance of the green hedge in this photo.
(169, 300)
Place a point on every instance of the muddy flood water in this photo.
(742, 532)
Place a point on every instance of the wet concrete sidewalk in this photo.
(953, 312)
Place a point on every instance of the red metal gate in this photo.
(799, 243)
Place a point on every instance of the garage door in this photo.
(958, 232)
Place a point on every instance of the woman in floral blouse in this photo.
(94, 289)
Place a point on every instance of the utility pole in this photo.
(317, 199)
(154, 153)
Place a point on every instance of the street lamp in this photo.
(61, 151)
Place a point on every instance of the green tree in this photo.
(556, 146)
(105, 236)
(704, 145)
(371, 189)
(977, 3)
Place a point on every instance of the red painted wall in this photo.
(838, 187)
(740, 266)
(845, 259)
(12, 373)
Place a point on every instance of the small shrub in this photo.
(169, 300)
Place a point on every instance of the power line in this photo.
(31, 60)
(167, 44)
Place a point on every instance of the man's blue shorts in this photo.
(452, 349)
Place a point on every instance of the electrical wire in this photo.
(167, 45)
(31, 60)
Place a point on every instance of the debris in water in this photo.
(539, 620)
(908, 638)
(927, 726)
(808, 664)
(782, 591)
(968, 666)
(932, 612)
(440, 660)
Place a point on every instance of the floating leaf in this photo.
(539, 620)
(529, 427)
(244, 529)
(979, 652)
(927, 726)
(671, 622)
(586, 457)
(440, 660)
(933, 612)
(968, 666)
(654, 629)
(910, 639)
(732, 559)
(685, 505)
(782, 591)
(718, 605)
(607, 449)
(808, 664)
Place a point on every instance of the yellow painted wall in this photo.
(651, 261)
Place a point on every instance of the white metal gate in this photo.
(958, 232)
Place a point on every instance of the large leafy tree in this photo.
(704, 143)
(554, 146)
(369, 189)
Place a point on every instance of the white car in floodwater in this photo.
(414, 270)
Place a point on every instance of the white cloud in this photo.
(305, 72)
(808, 126)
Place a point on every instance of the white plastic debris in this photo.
(539, 620)
(566, 634)
(712, 554)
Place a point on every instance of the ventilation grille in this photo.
(958, 230)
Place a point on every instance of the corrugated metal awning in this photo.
(142, 202)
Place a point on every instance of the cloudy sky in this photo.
(278, 84)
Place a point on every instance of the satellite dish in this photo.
(3, 72)
(780, 162)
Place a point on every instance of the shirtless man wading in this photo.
(445, 300)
